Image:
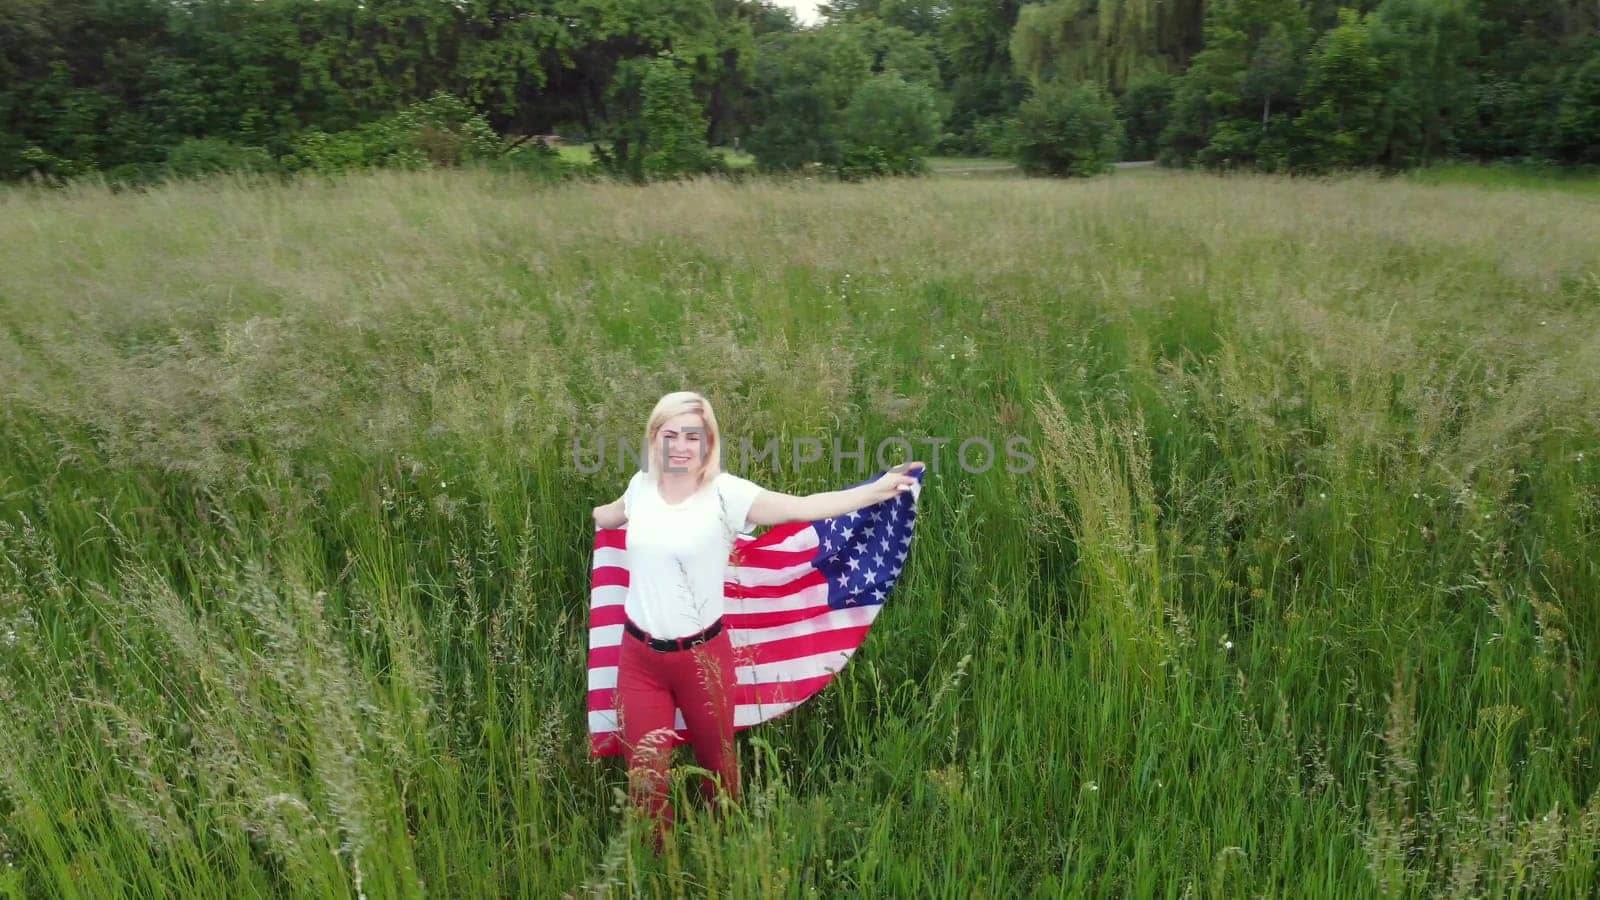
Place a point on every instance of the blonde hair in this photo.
(676, 404)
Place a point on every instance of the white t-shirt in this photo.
(678, 553)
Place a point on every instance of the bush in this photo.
(1143, 109)
(1067, 128)
(205, 156)
(33, 162)
(800, 128)
(536, 160)
(995, 136)
(133, 174)
(660, 127)
(890, 125)
(1575, 132)
(674, 123)
(371, 145)
(440, 131)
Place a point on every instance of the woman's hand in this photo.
(893, 482)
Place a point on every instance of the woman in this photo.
(683, 514)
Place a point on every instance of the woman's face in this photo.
(681, 444)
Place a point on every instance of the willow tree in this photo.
(1106, 41)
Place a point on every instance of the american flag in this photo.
(799, 601)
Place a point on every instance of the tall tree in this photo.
(975, 46)
(1106, 41)
(1236, 103)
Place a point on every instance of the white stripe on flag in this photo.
(744, 714)
(608, 595)
(804, 539)
(605, 636)
(794, 669)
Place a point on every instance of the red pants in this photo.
(651, 684)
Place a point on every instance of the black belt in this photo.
(666, 644)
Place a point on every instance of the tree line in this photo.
(138, 89)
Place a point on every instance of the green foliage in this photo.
(440, 131)
(1575, 134)
(43, 165)
(803, 82)
(888, 48)
(1426, 49)
(1108, 41)
(809, 90)
(116, 86)
(1067, 128)
(1342, 98)
(1144, 109)
(204, 156)
(660, 128)
(1235, 104)
(890, 125)
(447, 131)
(994, 136)
(982, 85)
(674, 124)
(537, 161)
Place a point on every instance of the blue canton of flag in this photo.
(863, 552)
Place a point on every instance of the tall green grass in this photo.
(1581, 180)
(1299, 598)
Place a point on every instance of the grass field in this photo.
(1570, 181)
(1300, 598)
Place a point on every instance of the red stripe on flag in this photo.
(609, 576)
(771, 618)
(602, 616)
(830, 641)
(773, 591)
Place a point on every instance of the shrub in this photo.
(204, 156)
(33, 162)
(674, 124)
(536, 160)
(1143, 110)
(995, 136)
(1575, 132)
(370, 145)
(660, 127)
(890, 125)
(1067, 128)
(132, 174)
(440, 131)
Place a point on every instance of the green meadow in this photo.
(1298, 599)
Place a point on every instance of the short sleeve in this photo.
(737, 496)
(630, 492)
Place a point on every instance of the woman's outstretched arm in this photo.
(775, 508)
